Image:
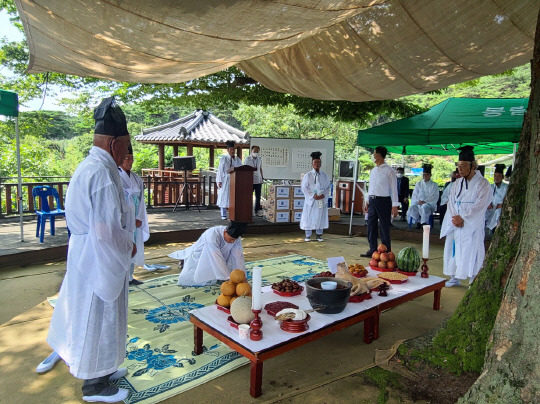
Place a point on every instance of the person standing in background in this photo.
(134, 194)
(316, 188)
(255, 161)
(227, 163)
(403, 191)
(499, 189)
(383, 201)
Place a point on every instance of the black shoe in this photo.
(367, 255)
(418, 226)
(135, 282)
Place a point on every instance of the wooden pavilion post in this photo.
(211, 152)
(175, 150)
(239, 152)
(189, 149)
(161, 156)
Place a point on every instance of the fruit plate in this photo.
(275, 307)
(222, 308)
(232, 323)
(358, 275)
(360, 298)
(289, 294)
(383, 269)
(408, 273)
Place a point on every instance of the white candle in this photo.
(256, 289)
(425, 242)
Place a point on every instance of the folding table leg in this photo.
(198, 339)
(255, 384)
(437, 299)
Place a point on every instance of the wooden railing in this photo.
(9, 193)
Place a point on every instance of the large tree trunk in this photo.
(511, 371)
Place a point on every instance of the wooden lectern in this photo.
(241, 194)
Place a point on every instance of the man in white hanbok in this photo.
(134, 195)
(89, 323)
(316, 189)
(424, 198)
(213, 257)
(498, 192)
(463, 225)
(226, 164)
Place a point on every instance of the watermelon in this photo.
(408, 260)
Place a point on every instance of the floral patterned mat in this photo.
(159, 352)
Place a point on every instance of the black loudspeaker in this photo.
(184, 163)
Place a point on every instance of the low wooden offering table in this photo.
(276, 341)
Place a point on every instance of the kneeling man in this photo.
(213, 257)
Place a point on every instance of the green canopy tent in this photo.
(491, 125)
(9, 106)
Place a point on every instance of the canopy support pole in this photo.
(19, 181)
(355, 176)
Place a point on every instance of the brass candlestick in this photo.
(256, 324)
(425, 269)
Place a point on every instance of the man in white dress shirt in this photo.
(499, 189)
(255, 161)
(463, 225)
(382, 201)
(226, 164)
(424, 198)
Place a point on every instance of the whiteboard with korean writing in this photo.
(288, 159)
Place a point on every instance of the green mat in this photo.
(159, 351)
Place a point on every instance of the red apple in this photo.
(391, 256)
(382, 248)
(384, 257)
(390, 264)
(382, 264)
(374, 263)
(376, 255)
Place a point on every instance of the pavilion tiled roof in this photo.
(198, 127)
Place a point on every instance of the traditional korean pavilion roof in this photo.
(198, 128)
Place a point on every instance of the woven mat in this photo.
(159, 352)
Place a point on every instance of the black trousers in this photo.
(257, 189)
(379, 209)
(404, 208)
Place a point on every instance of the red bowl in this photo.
(289, 294)
(295, 325)
(360, 298)
(382, 269)
(358, 275)
(232, 323)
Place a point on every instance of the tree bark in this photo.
(511, 372)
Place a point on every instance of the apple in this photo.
(382, 264)
(382, 248)
(384, 257)
(374, 263)
(390, 264)
(376, 255)
(391, 256)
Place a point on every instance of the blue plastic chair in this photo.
(43, 192)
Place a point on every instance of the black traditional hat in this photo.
(508, 172)
(466, 153)
(230, 143)
(427, 168)
(236, 229)
(316, 155)
(110, 119)
(499, 168)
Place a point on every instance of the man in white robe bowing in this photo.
(498, 191)
(227, 163)
(213, 257)
(316, 189)
(463, 224)
(134, 195)
(424, 198)
(89, 324)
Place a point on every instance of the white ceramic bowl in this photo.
(329, 285)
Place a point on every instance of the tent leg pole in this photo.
(355, 177)
(19, 183)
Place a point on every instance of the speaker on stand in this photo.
(185, 163)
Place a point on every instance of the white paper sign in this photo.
(333, 262)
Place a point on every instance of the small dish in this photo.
(289, 294)
(328, 285)
(382, 269)
(222, 308)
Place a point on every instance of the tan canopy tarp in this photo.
(337, 50)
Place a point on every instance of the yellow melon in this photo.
(238, 276)
(243, 288)
(224, 300)
(228, 288)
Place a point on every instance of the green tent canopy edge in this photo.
(491, 125)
